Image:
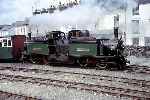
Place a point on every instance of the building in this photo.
(17, 28)
(5, 30)
(134, 24)
(140, 25)
(20, 28)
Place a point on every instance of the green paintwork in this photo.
(37, 48)
(6, 53)
(82, 49)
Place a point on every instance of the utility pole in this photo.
(116, 26)
(125, 12)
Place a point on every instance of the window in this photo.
(9, 43)
(5, 43)
(21, 30)
(135, 26)
(24, 31)
(77, 34)
(147, 41)
(135, 11)
(135, 41)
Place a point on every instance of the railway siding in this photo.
(12, 96)
(115, 85)
(83, 86)
(53, 92)
(122, 74)
(104, 80)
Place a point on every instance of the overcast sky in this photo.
(12, 10)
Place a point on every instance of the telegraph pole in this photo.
(125, 11)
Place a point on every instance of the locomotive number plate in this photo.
(82, 49)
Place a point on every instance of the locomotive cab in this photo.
(58, 46)
(78, 34)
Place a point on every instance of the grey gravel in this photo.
(53, 93)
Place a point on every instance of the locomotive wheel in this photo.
(101, 66)
(71, 61)
(121, 67)
(45, 60)
(83, 62)
(35, 59)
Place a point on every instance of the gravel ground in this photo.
(75, 78)
(123, 74)
(57, 93)
(139, 61)
(53, 93)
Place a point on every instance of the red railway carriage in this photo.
(11, 47)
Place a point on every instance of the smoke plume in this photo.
(90, 15)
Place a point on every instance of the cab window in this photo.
(9, 43)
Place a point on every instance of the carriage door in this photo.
(18, 45)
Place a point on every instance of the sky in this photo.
(13, 10)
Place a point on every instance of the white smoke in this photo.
(88, 15)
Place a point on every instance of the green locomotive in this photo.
(102, 53)
(55, 47)
(77, 48)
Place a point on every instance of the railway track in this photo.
(139, 69)
(134, 82)
(121, 92)
(129, 69)
(11, 96)
(83, 86)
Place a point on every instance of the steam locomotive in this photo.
(76, 48)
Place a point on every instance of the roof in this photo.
(20, 23)
(2, 26)
(144, 1)
(5, 27)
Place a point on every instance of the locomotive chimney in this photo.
(116, 26)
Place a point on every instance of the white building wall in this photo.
(145, 19)
(144, 11)
(141, 41)
(144, 22)
(6, 33)
(21, 30)
(144, 26)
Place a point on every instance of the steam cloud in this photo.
(88, 15)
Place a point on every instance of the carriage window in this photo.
(4, 42)
(74, 34)
(77, 34)
(9, 43)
